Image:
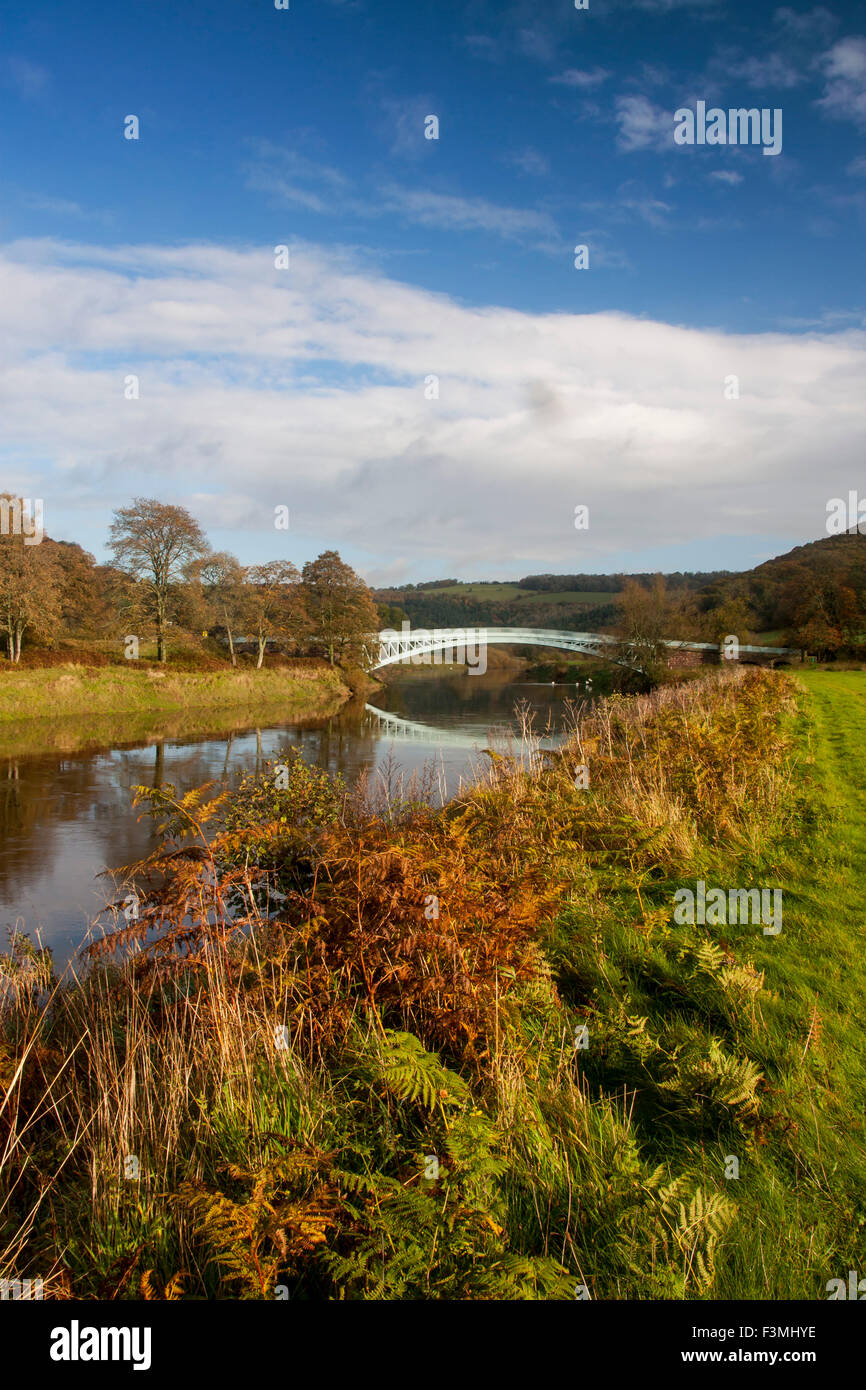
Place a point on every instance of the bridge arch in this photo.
(467, 643)
(401, 646)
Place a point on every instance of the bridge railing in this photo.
(396, 646)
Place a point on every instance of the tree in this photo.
(826, 619)
(391, 615)
(341, 607)
(273, 602)
(646, 619)
(155, 542)
(86, 599)
(221, 577)
(730, 618)
(30, 590)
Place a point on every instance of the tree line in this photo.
(813, 598)
(165, 577)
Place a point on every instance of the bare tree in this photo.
(647, 616)
(221, 577)
(155, 542)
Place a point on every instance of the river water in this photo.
(66, 810)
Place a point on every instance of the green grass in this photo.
(800, 1208)
(55, 691)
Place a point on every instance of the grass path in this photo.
(800, 1189)
(835, 887)
(807, 1222)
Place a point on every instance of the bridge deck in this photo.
(400, 646)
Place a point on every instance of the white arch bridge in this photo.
(464, 645)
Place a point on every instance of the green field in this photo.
(499, 592)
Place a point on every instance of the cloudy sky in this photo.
(430, 385)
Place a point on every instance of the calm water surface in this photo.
(66, 816)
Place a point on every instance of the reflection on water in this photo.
(65, 802)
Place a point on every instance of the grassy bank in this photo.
(72, 733)
(471, 1053)
(81, 690)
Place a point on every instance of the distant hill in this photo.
(584, 601)
(815, 595)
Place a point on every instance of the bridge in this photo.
(393, 727)
(466, 644)
(399, 730)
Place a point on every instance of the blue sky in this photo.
(452, 257)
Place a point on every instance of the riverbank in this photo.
(474, 1052)
(76, 734)
(313, 687)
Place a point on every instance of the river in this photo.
(66, 810)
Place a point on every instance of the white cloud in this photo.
(403, 124)
(536, 43)
(633, 201)
(664, 6)
(845, 70)
(455, 213)
(529, 161)
(574, 77)
(306, 387)
(809, 25)
(643, 125)
(294, 179)
(773, 71)
(62, 207)
(727, 176)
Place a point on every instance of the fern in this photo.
(413, 1074)
(715, 1080)
(695, 1224)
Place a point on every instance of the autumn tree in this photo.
(222, 580)
(155, 542)
(30, 589)
(86, 600)
(342, 612)
(730, 618)
(273, 602)
(647, 616)
(827, 619)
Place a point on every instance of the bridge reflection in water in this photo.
(399, 730)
